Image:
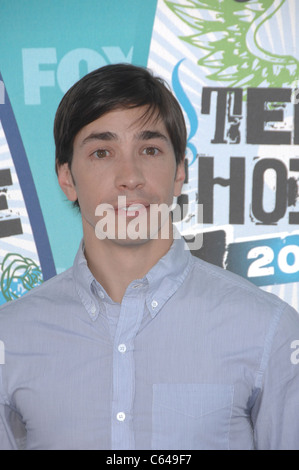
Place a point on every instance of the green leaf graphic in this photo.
(226, 32)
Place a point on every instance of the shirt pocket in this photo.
(191, 416)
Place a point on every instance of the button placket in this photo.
(132, 308)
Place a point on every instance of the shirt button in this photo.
(93, 309)
(101, 294)
(121, 416)
(122, 348)
(154, 304)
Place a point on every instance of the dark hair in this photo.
(109, 88)
(114, 87)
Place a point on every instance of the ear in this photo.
(179, 178)
(66, 182)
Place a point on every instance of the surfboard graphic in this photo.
(25, 254)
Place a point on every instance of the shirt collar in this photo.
(163, 279)
(168, 274)
(84, 279)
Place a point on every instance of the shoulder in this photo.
(238, 313)
(236, 294)
(40, 298)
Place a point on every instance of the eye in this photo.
(101, 153)
(151, 151)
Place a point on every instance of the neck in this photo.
(115, 265)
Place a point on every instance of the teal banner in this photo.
(47, 46)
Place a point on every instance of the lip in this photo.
(135, 202)
(132, 208)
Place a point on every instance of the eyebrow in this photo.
(108, 136)
(148, 135)
(98, 136)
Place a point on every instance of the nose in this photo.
(130, 174)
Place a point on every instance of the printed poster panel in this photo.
(233, 65)
(25, 255)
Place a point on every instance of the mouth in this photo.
(132, 210)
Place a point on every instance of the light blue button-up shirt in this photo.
(193, 358)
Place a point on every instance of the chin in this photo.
(131, 243)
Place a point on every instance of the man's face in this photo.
(122, 155)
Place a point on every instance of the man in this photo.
(140, 345)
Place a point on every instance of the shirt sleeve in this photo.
(275, 414)
(7, 440)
